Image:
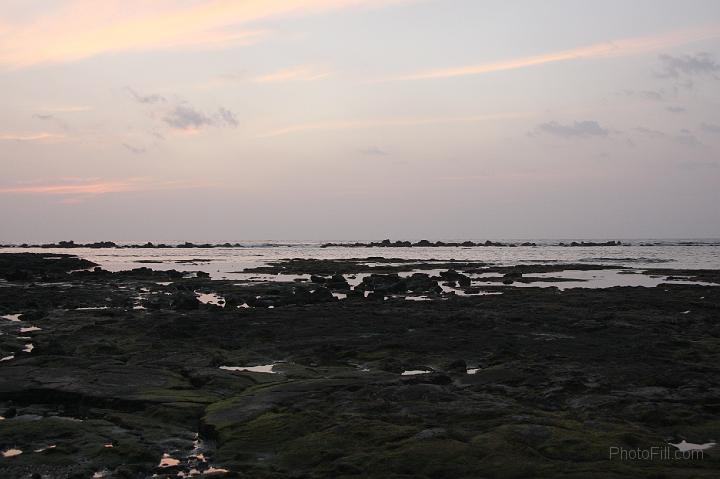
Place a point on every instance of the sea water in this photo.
(229, 263)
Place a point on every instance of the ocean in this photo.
(229, 263)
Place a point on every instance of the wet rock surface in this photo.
(124, 378)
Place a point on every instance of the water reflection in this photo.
(265, 368)
(210, 298)
(168, 461)
(689, 446)
(12, 452)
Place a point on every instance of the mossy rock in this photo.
(437, 459)
(75, 442)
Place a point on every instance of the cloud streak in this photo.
(147, 99)
(687, 138)
(578, 129)
(79, 29)
(628, 46)
(710, 128)
(30, 137)
(65, 109)
(340, 125)
(372, 151)
(184, 117)
(93, 187)
(688, 65)
(179, 115)
(135, 150)
(299, 73)
(676, 109)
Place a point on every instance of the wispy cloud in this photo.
(688, 65)
(578, 129)
(710, 128)
(651, 95)
(298, 73)
(135, 150)
(93, 187)
(628, 46)
(650, 133)
(52, 119)
(79, 29)
(151, 98)
(31, 137)
(676, 109)
(65, 109)
(687, 138)
(227, 117)
(339, 125)
(179, 115)
(372, 151)
(184, 117)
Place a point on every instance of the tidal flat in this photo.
(334, 369)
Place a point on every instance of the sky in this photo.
(231, 120)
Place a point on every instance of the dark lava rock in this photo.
(29, 266)
(338, 281)
(513, 275)
(383, 283)
(321, 295)
(354, 294)
(376, 296)
(565, 375)
(184, 301)
(422, 283)
(452, 275)
(458, 366)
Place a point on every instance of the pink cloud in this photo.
(93, 187)
(80, 29)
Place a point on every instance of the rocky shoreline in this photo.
(365, 368)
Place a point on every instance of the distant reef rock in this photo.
(378, 244)
(110, 244)
(467, 244)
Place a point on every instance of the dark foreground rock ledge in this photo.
(530, 383)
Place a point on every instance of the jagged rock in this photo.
(457, 366)
(185, 302)
(452, 275)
